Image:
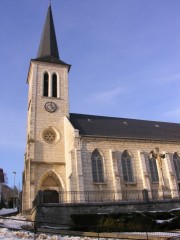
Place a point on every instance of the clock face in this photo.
(50, 107)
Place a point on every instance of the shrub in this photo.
(159, 215)
(176, 212)
(135, 221)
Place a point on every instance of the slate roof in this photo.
(51, 59)
(124, 128)
(48, 48)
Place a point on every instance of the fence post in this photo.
(145, 195)
(40, 198)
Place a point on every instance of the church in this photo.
(86, 158)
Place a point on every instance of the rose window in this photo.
(49, 136)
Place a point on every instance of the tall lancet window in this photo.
(97, 167)
(176, 160)
(54, 85)
(45, 85)
(153, 169)
(127, 168)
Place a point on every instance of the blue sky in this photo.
(125, 57)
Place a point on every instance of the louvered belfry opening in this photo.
(46, 85)
(54, 85)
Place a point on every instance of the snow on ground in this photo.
(5, 211)
(18, 221)
(14, 222)
(164, 221)
(23, 235)
(6, 234)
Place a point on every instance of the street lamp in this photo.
(14, 179)
(14, 188)
(1, 182)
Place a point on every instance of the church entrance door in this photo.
(50, 196)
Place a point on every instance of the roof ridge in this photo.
(131, 119)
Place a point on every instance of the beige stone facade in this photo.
(111, 150)
(66, 165)
(45, 160)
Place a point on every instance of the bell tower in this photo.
(48, 104)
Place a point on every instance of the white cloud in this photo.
(109, 95)
(175, 78)
(171, 78)
(175, 113)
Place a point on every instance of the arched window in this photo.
(153, 169)
(54, 85)
(127, 168)
(176, 160)
(46, 85)
(97, 166)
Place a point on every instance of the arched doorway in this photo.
(50, 185)
(50, 196)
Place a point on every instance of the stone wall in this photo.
(60, 213)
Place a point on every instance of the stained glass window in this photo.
(153, 169)
(127, 168)
(176, 160)
(97, 166)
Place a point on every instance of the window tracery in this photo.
(97, 167)
(153, 169)
(176, 161)
(49, 135)
(127, 168)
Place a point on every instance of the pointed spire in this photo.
(48, 48)
(48, 45)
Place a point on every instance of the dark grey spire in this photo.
(48, 49)
(48, 45)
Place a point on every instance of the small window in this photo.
(97, 167)
(176, 161)
(54, 85)
(153, 170)
(46, 85)
(127, 168)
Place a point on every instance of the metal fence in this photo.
(103, 196)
